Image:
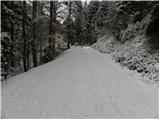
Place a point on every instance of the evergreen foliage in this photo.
(28, 25)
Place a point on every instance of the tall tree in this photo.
(34, 49)
(51, 40)
(12, 36)
(91, 21)
(28, 48)
(24, 36)
(69, 30)
(41, 31)
(54, 27)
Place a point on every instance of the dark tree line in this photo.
(20, 41)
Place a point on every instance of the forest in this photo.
(29, 28)
(79, 59)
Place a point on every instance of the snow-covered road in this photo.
(81, 83)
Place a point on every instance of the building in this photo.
(60, 37)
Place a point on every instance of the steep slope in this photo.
(135, 54)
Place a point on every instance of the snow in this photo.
(86, 47)
(134, 54)
(81, 83)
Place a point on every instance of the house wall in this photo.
(59, 40)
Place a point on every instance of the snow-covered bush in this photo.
(134, 55)
(132, 31)
(6, 56)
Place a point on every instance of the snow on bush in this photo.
(134, 55)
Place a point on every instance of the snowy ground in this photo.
(81, 83)
(135, 54)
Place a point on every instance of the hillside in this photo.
(133, 41)
(136, 53)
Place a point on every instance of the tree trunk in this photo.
(34, 50)
(41, 45)
(69, 36)
(24, 36)
(54, 27)
(12, 37)
(41, 36)
(28, 62)
(51, 39)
